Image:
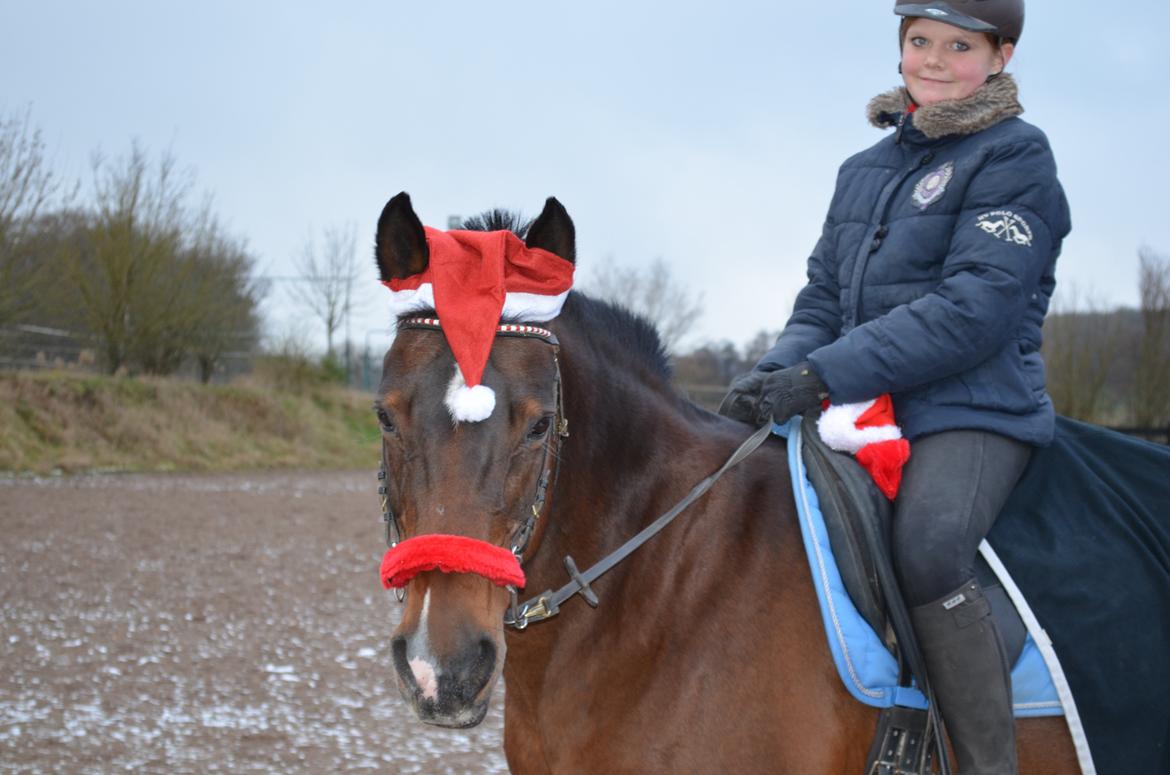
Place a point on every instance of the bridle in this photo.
(547, 604)
(522, 536)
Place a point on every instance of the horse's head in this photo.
(454, 472)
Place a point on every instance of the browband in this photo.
(503, 329)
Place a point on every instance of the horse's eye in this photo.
(540, 428)
(384, 420)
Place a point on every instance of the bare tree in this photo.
(652, 293)
(758, 346)
(1080, 350)
(328, 276)
(220, 298)
(27, 186)
(1150, 400)
(154, 280)
(124, 272)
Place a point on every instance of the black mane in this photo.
(498, 220)
(630, 332)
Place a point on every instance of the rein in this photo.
(547, 604)
(462, 554)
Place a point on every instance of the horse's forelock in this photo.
(498, 220)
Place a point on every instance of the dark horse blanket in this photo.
(1086, 536)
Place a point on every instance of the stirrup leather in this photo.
(903, 743)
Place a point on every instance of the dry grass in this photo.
(56, 421)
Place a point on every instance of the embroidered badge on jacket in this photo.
(1007, 226)
(933, 185)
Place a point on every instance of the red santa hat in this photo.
(472, 280)
(867, 431)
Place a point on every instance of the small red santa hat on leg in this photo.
(472, 280)
(867, 431)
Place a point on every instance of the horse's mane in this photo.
(629, 331)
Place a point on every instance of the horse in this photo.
(706, 653)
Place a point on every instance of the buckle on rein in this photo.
(544, 606)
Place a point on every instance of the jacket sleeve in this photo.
(998, 252)
(816, 315)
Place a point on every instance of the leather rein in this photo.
(547, 604)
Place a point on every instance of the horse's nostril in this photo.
(401, 662)
(443, 684)
(472, 672)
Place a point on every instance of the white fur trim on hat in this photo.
(405, 302)
(468, 404)
(525, 307)
(838, 428)
(532, 307)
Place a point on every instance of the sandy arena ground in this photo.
(192, 624)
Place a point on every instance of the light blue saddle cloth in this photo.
(867, 669)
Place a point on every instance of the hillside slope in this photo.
(67, 422)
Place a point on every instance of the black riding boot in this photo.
(969, 673)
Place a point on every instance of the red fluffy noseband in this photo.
(450, 554)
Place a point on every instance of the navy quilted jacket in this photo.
(934, 269)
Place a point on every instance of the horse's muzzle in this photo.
(453, 692)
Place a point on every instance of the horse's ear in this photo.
(553, 231)
(400, 246)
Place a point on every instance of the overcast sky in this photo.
(707, 134)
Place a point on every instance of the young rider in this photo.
(930, 282)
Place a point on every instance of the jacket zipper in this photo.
(901, 123)
(886, 200)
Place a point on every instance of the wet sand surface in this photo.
(191, 624)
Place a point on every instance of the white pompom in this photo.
(472, 404)
(469, 404)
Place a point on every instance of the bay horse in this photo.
(706, 653)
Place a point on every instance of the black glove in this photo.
(743, 397)
(789, 392)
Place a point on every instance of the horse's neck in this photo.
(635, 451)
(633, 443)
(725, 580)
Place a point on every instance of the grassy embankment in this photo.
(69, 422)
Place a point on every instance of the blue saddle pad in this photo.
(867, 669)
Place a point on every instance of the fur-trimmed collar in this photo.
(991, 103)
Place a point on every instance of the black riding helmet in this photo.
(1004, 18)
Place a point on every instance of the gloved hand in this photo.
(789, 392)
(743, 397)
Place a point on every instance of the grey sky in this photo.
(706, 134)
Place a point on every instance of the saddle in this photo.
(1083, 548)
(858, 517)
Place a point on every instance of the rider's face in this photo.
(941, 62)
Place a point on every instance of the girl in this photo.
(930, 282)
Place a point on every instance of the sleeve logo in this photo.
(1007, 226)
